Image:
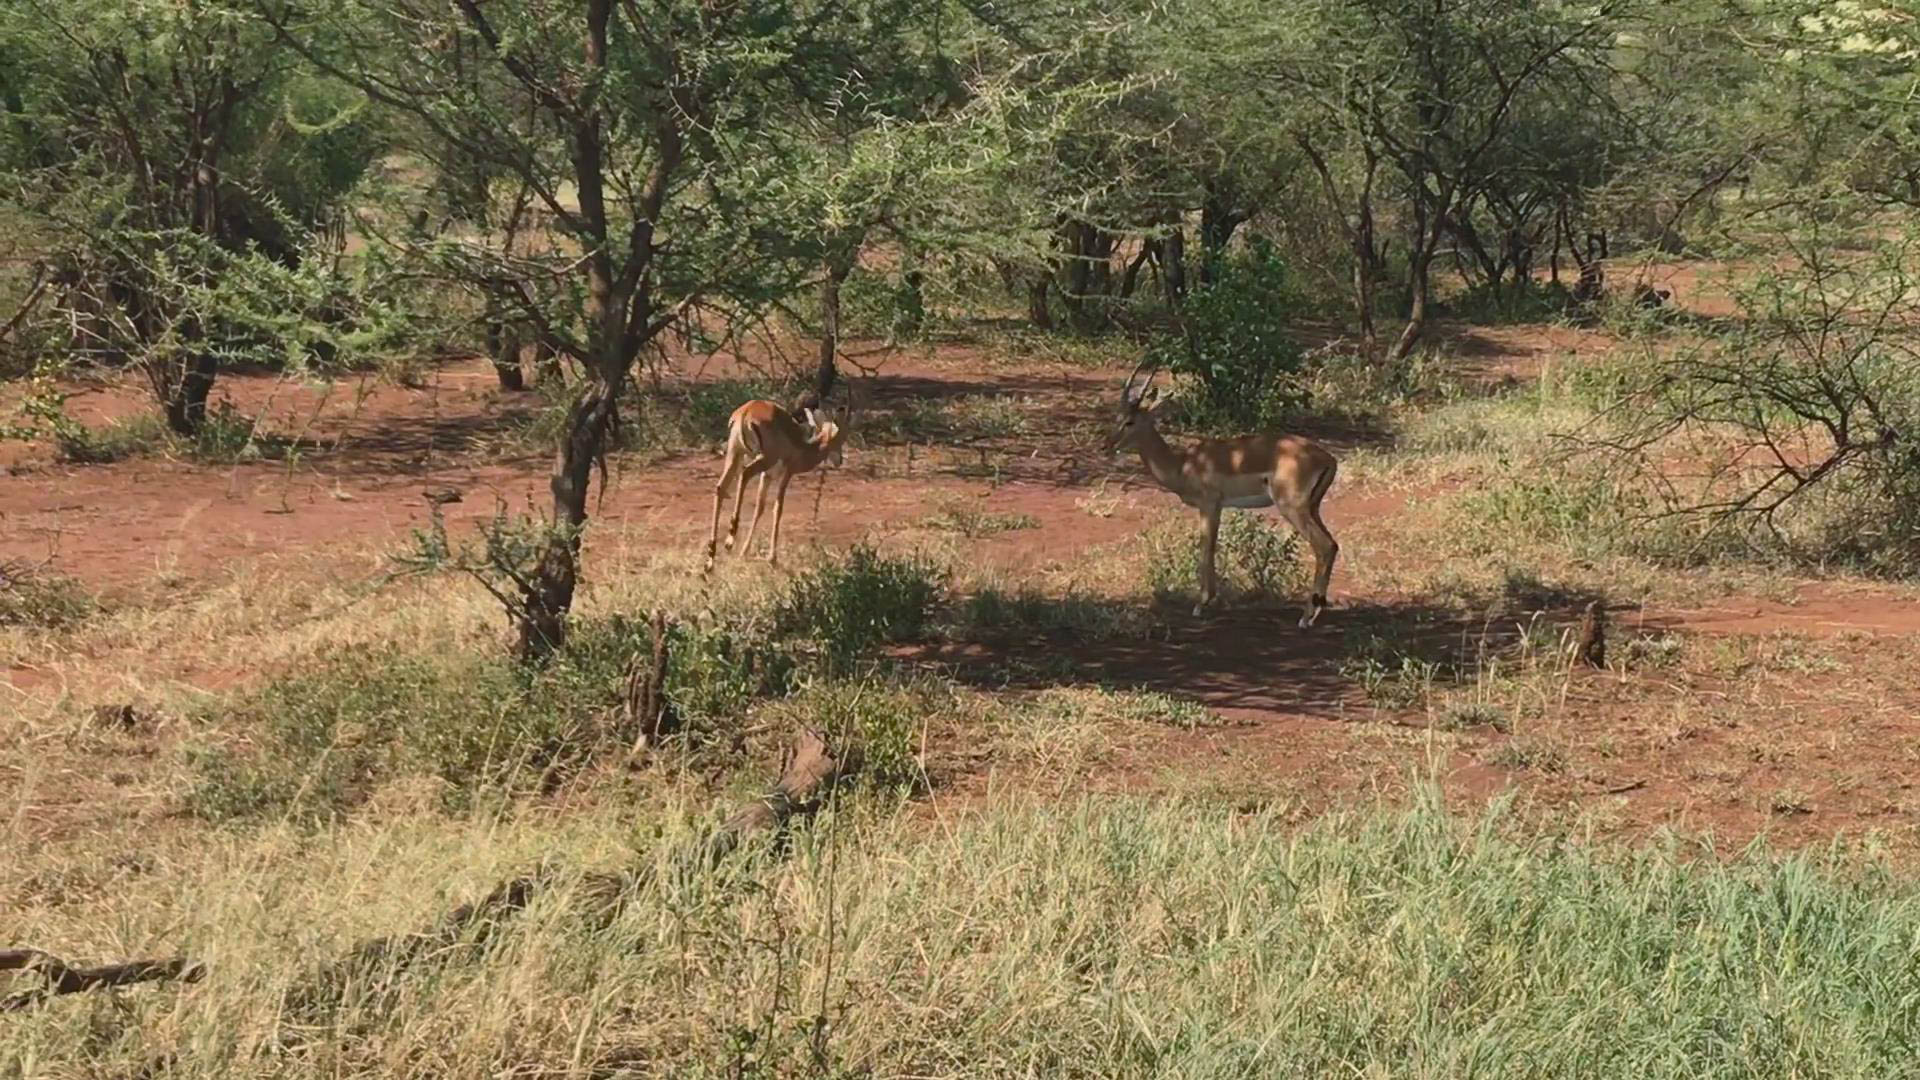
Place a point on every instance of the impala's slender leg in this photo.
(728, 471)
(779, 508)
(753, 523)
(757, 467)
(1304, 516)
(739, 494)
(1209, 537)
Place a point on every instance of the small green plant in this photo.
(43, 412)
(1658, 650)
(1101, 704)
(972, 522)
(988, 416)
(1154, 707)
(850, 605)
(1461, 715)
(1529, 753)
(226, 435)
(321, 742)
(1393, 675)
(1396, 683)
(1790, 801)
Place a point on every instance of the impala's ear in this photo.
(810, 418)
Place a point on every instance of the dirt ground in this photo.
(1639, 752)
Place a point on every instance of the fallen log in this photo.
(59, 977)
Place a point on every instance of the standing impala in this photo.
(765, 440)
(1287, 472)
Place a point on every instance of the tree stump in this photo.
(1591, 646)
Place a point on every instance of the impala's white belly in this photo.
(1255, 501)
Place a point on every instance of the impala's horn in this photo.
(1129, 395)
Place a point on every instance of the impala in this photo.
(1287, 472)
(765, 440)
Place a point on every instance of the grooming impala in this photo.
(765, 440)
(1287, 472)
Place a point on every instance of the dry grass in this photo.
(1110, 939)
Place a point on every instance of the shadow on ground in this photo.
(1245, 658)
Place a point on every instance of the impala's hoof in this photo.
(1315, 606)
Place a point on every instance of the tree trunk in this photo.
(1553, 260)
(1367, 259)
(1172, 253)
(549, 594)
(187, 404)
(1366, 271)
(913, 287)
(618, 316)
(1077, 274)
(546, 361)
(826, 374)
(1428, 214)
(503, 347)
(1218, 220)
(1038, 313)
(1099, 258)
(1130, 279)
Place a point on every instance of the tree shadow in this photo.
(1248, 657)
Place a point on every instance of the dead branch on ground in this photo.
(59, 977)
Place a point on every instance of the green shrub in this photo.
(969, 520)
(1583, 509)
(325, 739)
(865, 599)
(886, 719)
(715, 673)
(322, 741)
(1237, 352)
(881, 303)
(1344, 382)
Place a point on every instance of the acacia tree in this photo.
(163, 145)
(653, 144)
(1426, 92)
(1842, 82)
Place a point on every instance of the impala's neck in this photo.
(1161, 460)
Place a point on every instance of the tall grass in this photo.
(1098, 939)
